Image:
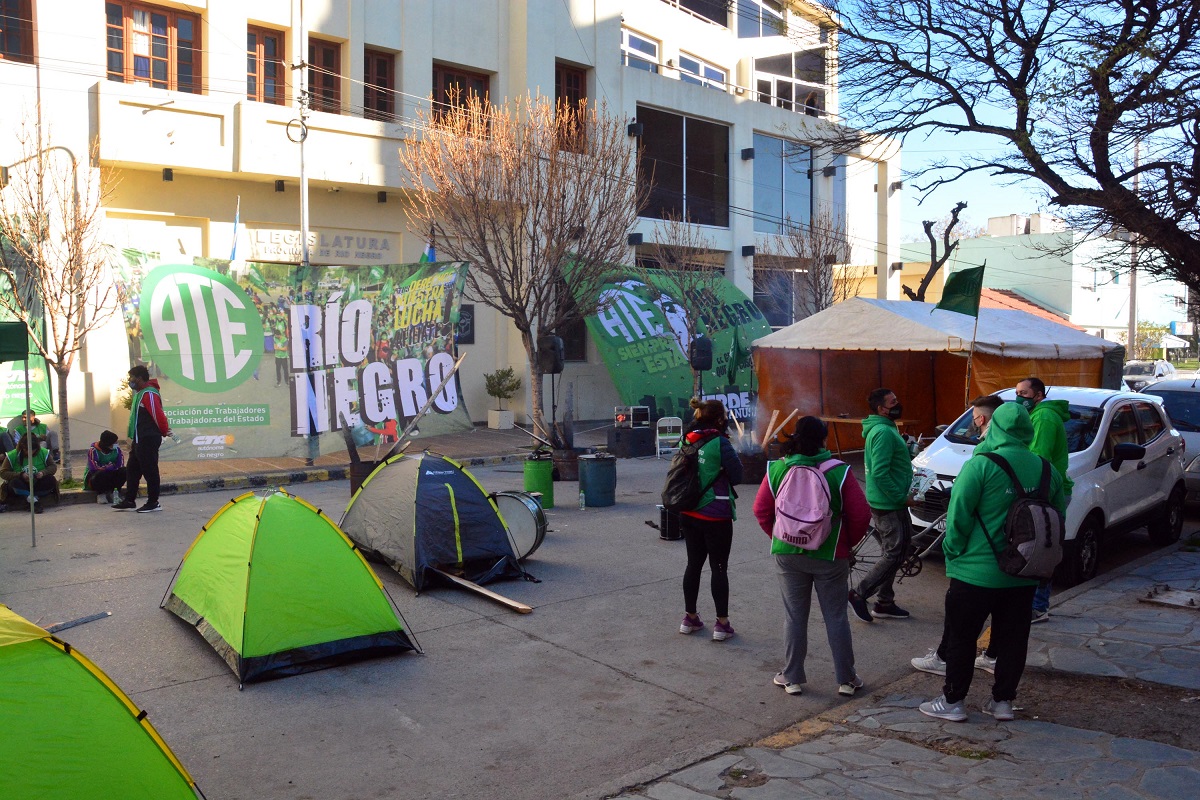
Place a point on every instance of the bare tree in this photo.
(682, 272)
(53, 266)
(808, 266)
(936, 262)
(1069, 90)
(538, 199)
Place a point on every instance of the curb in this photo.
(259, 480)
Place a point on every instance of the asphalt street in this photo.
(593, 691)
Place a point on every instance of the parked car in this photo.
(1139, 374)
(1125, 457)
(1181, 399)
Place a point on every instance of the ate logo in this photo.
(199, 327)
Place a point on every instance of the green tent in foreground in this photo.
(277, 588)
(70, 732)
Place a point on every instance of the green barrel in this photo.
(539, 477)
(598, 480)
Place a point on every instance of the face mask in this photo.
(895, 412)
(1027, 402)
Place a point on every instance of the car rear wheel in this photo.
(1082, 554)
(1166, 527)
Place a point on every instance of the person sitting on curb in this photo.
(43, 432)
(14, 471)
(975, 533)
(105, 467)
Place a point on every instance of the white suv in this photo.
(1125, 458)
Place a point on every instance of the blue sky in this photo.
(985, 196)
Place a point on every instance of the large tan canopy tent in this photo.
(827, 364)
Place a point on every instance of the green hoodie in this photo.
(984, 489)
(887, 464)
(1050, 436)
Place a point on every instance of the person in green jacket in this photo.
(1049, 418)
(979, 504)
(889, 472)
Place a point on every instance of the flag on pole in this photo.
(237, 215)
(429, 256)
(962, 292)
(737, 354)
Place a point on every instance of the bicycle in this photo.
(867, 553)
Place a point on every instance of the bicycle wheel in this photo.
(865, 556)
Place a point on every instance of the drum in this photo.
(525, 519)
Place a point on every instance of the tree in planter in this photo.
(537, 198)
(502, 385)
(53, 267)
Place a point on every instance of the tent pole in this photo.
(970, 358)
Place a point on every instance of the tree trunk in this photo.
(538, 416)
(64, 424)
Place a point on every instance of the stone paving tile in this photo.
(1170, 781)
(1082, 661)
(821, 762)
(706, 776)
(1188, 678)
(774, 790)
(1105, 772)
(1150, 753)
(903, 751)
(1183, 657)
(673, 791)
(1114, 793)
(774, 765)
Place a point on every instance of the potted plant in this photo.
(502, 385)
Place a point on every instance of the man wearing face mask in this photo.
(1049, 419)
(888, 467)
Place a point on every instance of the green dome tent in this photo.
(69, 731)
(277, 589)
(426, 511)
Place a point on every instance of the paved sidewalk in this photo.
(888, 749)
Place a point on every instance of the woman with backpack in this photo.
(708, 528)
(812, 507)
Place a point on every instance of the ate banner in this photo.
(259, 360)
(642, 335)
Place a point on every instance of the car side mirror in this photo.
(1127, 451)
(941, 428)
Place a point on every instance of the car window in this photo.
(1139, 369)
(1081, 428)
(1150, 421)
(1123, 429)
(1183, 407)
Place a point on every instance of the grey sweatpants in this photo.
(798, 574)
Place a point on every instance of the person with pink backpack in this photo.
(812, 507)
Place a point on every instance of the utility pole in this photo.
(1131, 338)
(301, 65)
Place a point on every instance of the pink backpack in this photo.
(803, 511)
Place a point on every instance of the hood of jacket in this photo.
(1010, 426)
(1058, 408)
(876, 421)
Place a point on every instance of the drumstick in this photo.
(775, 433)
(770, 426)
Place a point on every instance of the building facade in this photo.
(194, 108)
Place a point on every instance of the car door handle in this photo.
(1141, 465)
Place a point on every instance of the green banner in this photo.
(12, 380)
(259, 360)
(642, 335)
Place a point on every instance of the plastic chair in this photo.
(668, 432)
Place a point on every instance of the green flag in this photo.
(737, 354)
(962, 291)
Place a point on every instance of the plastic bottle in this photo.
(582, 501)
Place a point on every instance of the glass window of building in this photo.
(570, 93)
(156, 46)
(453, 85)
(16, 30)
(757, 18)
(782, 183)
(693, 69)
(687, 160)
(264, 65)
(639, 52)
(379, 90)
(325, 75)
(715, 11)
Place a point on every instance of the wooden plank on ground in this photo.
(520, 608)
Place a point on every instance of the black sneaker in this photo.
(889, 611)
(124, 505)
(859, 607)
(149, 507)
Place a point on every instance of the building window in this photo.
(715, 11)
(782, 183)
(16, 30)
(379, 93)
(152, 45)
(775, 293)
(325, 75)
(452, 86)
(264, 65)
(786, 81)
(638, 52)
(688, 161)
(698, 71)
(757, 18)
(570, 92)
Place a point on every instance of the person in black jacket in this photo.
(708, 529)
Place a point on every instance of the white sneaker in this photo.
(940, 709)
(930, 662)
(1002, 710)
(986, 664)
(790, 688)
(848, 689)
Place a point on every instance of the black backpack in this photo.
(683, 490)
(1033, 529)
